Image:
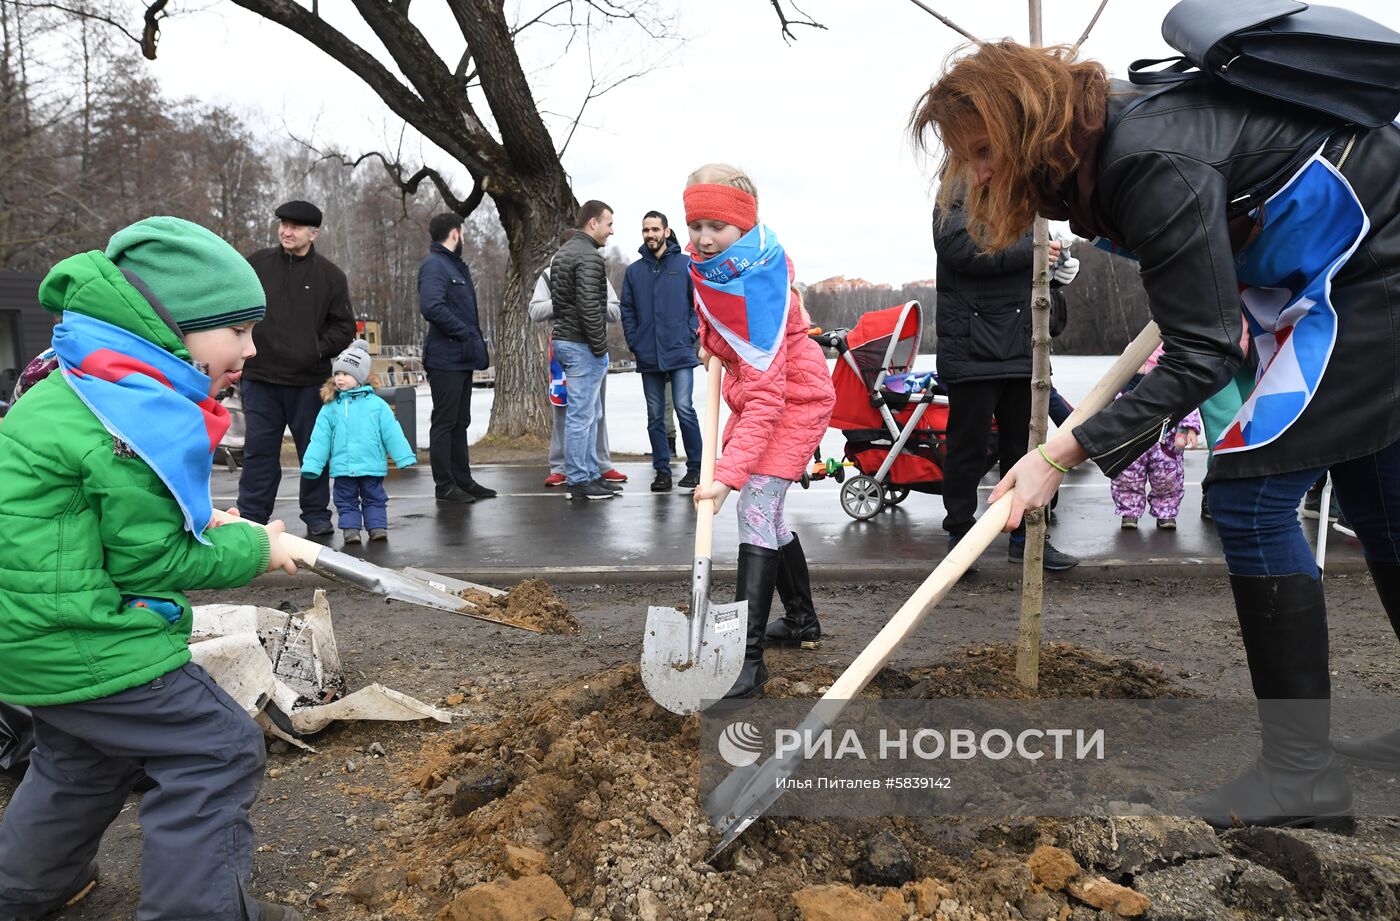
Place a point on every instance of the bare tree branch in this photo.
(79, 13)
(1090, 27)
(787, 23)
(945, 20)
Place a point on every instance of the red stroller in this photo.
(895, 420)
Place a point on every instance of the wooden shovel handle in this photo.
(303, 551)
(972, 544)
(705, 519)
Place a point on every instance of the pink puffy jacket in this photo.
(777, 416)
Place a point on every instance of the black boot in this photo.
(758, 576)
(799, 621)
(1382, 751)
(1296, 780)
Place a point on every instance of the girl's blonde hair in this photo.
(1033, 104)
(723, 174)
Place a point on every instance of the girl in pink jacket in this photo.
(779, 393)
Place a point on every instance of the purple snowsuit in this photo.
(1163, 469)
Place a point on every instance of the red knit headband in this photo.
(708, 201)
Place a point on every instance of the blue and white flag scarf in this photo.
(743, 293)
(150, 400)
(1310, 229)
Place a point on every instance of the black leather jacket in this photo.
(578, 287)
(1167, 173)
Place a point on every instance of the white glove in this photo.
(1067, 271)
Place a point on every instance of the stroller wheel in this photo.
(862, 497)
(806, 480)
(895, 495)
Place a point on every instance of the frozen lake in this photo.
(627, 413)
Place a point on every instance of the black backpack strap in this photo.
(1178, 70)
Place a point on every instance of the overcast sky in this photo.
(819, 124)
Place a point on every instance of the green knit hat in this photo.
(202, 281)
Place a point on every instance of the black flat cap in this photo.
(300, 212)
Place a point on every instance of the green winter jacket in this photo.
(82, 526)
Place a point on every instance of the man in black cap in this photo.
(308, 323)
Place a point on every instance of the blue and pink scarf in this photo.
(150, 400)
(743, 294)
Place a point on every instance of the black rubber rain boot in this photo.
(1296, 781)
(799, 623)
(758, 577)
(1382, 751)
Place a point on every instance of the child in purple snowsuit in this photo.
(1163, 469)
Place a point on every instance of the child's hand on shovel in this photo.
(715, 490)
(278, 558)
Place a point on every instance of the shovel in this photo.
(689, 660)
(426, 589)
(749, 791)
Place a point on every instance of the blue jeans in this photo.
(1257, 517)
(585, 373)
(654, 387)
(355, 492)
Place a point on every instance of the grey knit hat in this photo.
(354, 361)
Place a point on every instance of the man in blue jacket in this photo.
(452, 349)
(659, 322)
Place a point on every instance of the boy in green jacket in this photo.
(104, 522)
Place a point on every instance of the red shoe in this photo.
(555, 479)
(615, 475)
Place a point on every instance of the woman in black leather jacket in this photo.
(1224, 198)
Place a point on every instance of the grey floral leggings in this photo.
(760, 508)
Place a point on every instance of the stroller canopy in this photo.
(882, 342)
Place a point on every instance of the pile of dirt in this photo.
(580, 803)
(532, 604)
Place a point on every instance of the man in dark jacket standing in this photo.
(658, 319)
(452, 349)
(984, 362)
(308, 323)
(578, 288)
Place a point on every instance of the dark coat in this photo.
(578, 287)
(658, 313)
(1166, 175)
(308, 320)
(447, 300)
(983, 313)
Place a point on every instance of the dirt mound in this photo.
(532, 604)
(594, 786)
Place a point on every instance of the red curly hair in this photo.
(1032, 104)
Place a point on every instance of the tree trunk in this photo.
(1033, 574)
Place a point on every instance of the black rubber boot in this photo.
(799, 621)
(1382, 751)
(758, 577)
(1296, 781)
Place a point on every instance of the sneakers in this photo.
(477, 491)
(378, 533)
(1312, 505)
(1341, 526)
(690, 480)
(662, 483)
(352, 536)
(555, 479)
(610, 485)
(614, 475)
(320, 529)
(1166, 524)
(593, 489)
(455, 494)
(1052, 560)
(1130, 523)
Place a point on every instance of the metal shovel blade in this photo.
(682, 683)
(371, 578)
